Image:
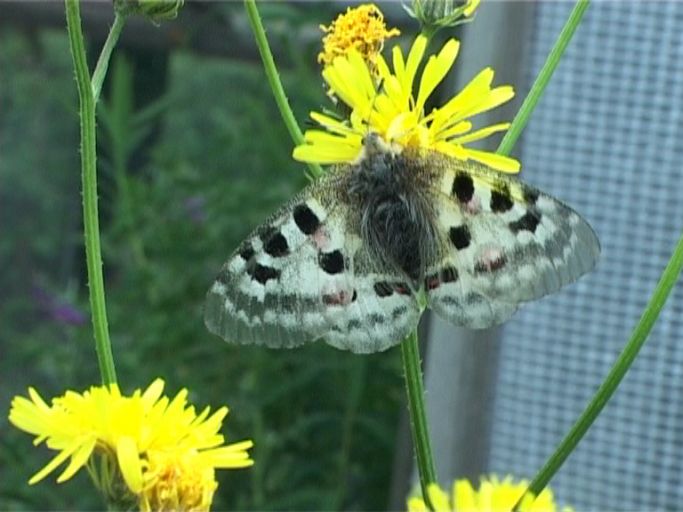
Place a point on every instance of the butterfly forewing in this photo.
(506, 242)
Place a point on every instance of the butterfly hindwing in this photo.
(305, 275)
(504, 243)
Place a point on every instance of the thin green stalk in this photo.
(409, 347)
(105, 55)
(410, 354)
(89, 184)
(616, 374)
(520, 120)
(274, 80)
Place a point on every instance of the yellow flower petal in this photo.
(153, 392)
(54, 463)
(417, 505)
(414, 58)
(78, 460)
(349, 78)
(129, 462)
(471, 7)
(331, 124)
(494, 98)
(498, 162)
(435, 70)
(464, 496)
(475, 89)
(452, 131)
(326, 153)
(480, 134)
(438, 498)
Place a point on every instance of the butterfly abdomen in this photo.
(396, 218)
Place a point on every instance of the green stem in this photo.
(410, 354)
(616, 374)
(274, 80)
(89, 184)
(520, 120)
(105, 55)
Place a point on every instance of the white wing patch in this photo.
(506, 243)
(298, 279)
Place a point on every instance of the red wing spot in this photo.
(498, 264)
(401, 289)
(432, 282)
(490, 261)
(340, 298)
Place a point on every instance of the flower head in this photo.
(493, 495)
(361, 29)
(140, 436)
(390, 107)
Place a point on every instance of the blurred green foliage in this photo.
(184, 177)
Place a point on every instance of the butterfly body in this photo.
(349, 258)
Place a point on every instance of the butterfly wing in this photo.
(304, 275)
(505, 243)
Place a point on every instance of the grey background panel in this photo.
(607, 138)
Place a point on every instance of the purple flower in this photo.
(57, 309)
(194, 207)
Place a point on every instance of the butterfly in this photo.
(354, 257)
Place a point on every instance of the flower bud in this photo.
(434, 15)
(154, 10)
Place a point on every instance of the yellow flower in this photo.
(493, 495)
(183, 480)
(135, 432)
(389, 108)
(361, 28)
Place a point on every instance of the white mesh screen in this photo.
(607, 138)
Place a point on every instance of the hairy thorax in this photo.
(396, 218)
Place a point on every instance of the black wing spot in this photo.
(501, 201)
(354, 324)
(246, 252)
(383, 289)
(376, 319)
(449, 275)
(527, 222)
(399, 312)
(463, 187)
(276, 245)
(460, 237)
(331, 262)
(305, 219)
(530, 195)
(263, 274)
